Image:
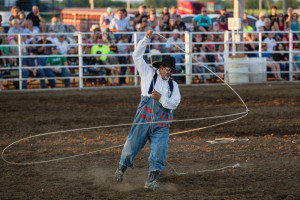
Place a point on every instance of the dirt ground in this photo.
(269, 160)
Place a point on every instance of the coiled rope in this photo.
(244, 114)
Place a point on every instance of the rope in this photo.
(118, 125)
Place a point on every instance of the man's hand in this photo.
(149, 34)
(156, 95)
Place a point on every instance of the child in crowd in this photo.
(73, 61)
(114, 70)
(156, 39)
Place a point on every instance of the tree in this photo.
(288, 3)
(27, 4)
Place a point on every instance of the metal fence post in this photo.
(135, 70)
(290, 56)
(188, 58)
(80, 63)
(259, 44)
(20, 61)
(226, 55)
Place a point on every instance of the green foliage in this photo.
(27, 4)
(288, 3)
(160, 3)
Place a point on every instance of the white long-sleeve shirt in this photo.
(146, 74)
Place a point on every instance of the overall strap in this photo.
(171, 86)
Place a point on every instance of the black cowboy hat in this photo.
(166, 61)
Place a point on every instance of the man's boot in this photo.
(119, 173)
(151, 181)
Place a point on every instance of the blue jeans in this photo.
(64, 73)
(98, 73)
(140, 134)
(40, 73)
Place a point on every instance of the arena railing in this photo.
(187, 75)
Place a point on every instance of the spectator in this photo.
(210, 47)
(155, 40)
(62, 45)
(274, 67)
(271, 43)
(22, 18)
(96, 33)
(105, 20)
(165, 11)
(288, 15)
(279, 25)
(152, 21)
(179, 58)
(294, 25)
(175, 39)
(56, 26)
(247, 28)
(44, 48)
(245, 17)
(15, 15)
(202, 22)
(123, 48)
(32, 61)
(52, 37)
(282, 58)
(57, 60)
(15, 27)
(198, 68)
(139, 16)
(112, 60)
(0, 20)
(152, 10)
(197, 39)
(260, 22)
(142, 27)
(100, 47)
(223, 26)
(286, 39)
(273, 16)
(296, 64)
(73, 61)
(160, 26)
(219, 57)
(166, 20)
(36, 18)
(86, 50)
(173, 13)
(29, 28)
(7, 51)
(223, 16)
(180, 24)
(172, 25)
(267, 27)
(119, 24)
(96, 68)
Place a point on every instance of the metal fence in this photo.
(190, 74)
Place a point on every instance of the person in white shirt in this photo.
(160, 97)
(260, 22)
(105, 20)
(271, 43)
(62, 45)
(174, 39)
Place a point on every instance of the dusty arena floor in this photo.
(269, 160)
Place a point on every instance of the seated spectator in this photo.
(113, 71)
(139, 16)
(123, 48)
(105, 20)
(274, 67)
(160, 26)
(156, 39)
(270, 42)
(73, 61)
(166, 20)
(152, 21)
(51, 72)
(174, 39)
(86, 50)
(15, 15)
(142, 27)
(172, 25)
(96, 68)
(288, 15)
(245, 17)
(100, 47)
(119, 24)
(43, 48)
(37, 19)
(52, 37)
(180, 24)
(294, 25)
(223, 25)
(179, 58)
(173, 12)
(0, 20)
(282, 59)
(202, 22)
(96, 33)
(211, 46)
(56, 26)
(286, 38)
(15, 27)
(219, 57)
(260, 22)
(267, 27)
(31, 31)
(7, 51)
(296, 64)
(279, 25)
(165, 11)
(198, 68)
(273, 16)
(62, 45)
(197, 39)
(32, 61)
(22, 18)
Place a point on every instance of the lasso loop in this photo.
(245, 113)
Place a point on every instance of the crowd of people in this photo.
(106, 40)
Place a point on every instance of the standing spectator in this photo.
(105, 20)
(282, 58)
(119, 24)
(202, 22)
(173, 12)
(57, 60)
(174, 39)
(44, 49)
(62, 45)
(32, 61)
(152, 21)
(15, 15)
(180, 24)
(36, 18)
(273, 16)
(288, 15)
(15, 27)
(139, 16)
(260, 22)
(294, 25)
(56, 26)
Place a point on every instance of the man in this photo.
(166, 97)
(62, 45)
(119, 24)
(223, 15)
(173, 12)
(33, 61)
(44, 49)
(202, 22)
(105, 20)
(37, 19)
(174, 39)
(56, 26)
(100, 47)
(141, 28)
(180, 24)
(58, 60)
(139, 16)
(273, 17)
(15, 27)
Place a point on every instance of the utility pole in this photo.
(283, 7)
(239, 6)
(128, 5)
(91, 4)
(260, 5)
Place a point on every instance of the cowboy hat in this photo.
(167, 61)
